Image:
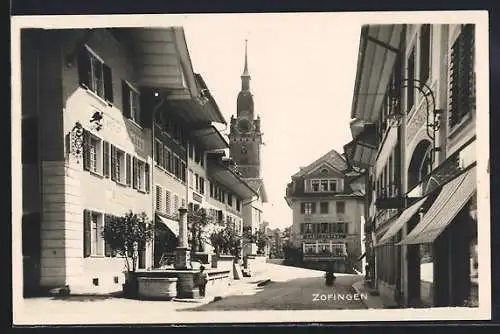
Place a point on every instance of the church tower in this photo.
(245, 138)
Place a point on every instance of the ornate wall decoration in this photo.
(416, 123)
(76, 142)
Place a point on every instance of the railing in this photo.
(316, 236)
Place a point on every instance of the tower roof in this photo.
(245, 69)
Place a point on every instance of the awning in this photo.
(196, 109)
(229, 179)
(365, 147)
(378, 48)
(398, 224)
(172, 225)
(452, 198)
(162, 58)
(210, 138)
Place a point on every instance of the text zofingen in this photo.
(316, 297)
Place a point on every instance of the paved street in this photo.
(289, 289)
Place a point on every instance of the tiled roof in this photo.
(333, 158)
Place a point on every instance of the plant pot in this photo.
(131, 286)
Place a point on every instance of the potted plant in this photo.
(125, 235)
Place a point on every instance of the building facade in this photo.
(110, 122)
(414, 135)
(245, 142)
(327, 207)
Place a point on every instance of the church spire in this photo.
(245, 77)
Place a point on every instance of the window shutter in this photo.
(146, 177)
(126, 99)
(134, 172)
(313, 207)
(84, 68)
(107, 248)
(302, 207)
(108, 83)
(302, 228)
(86, 233)
(113, 163)
(86, 150)
(128, 171)
(105, 157)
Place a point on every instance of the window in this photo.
(201, 182)
(131, 102)
(308, 208)
(176, 203)
(97, 239)
(95, 75)
(119, 165)
(323, 207)
(191, 178)
(211, 189)
(340, 228)
(322, 185)
(462, 76)
(308, 228)
(230, 199)
(324, 228)
(191, 150)
(425, 52)
(167, 202)
(92, 153)
(93, 241)
(197, 182)
(340, 206)
(238, 204)
(159, 199)
(139, 174)
(410, 90)
(333, 185)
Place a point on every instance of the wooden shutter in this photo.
(134, 172)
(113, 163)
(313, 207)
(105, 157)
(302, 207)
(108, 83)
(302, 228)
(87, 239)
(146, 177)
(107, 249)
(125, 99)
(128, 170)
(84, 68)
(86, 150)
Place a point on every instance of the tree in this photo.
(262, 241)
(126, 235)
(198, 226)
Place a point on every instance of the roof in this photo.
(257, 184)
(332, 158)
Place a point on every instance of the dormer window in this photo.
(323, 185)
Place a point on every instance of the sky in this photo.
(302, 71)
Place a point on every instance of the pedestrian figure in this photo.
(202, 281)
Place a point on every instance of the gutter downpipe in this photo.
(153, 164)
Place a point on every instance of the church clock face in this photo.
(244, 125)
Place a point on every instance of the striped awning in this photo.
(398, 224)
(172, 225)
(452, 198)
(378, 48)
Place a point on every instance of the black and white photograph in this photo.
(246, 168)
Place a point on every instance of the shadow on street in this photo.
(294, 294)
